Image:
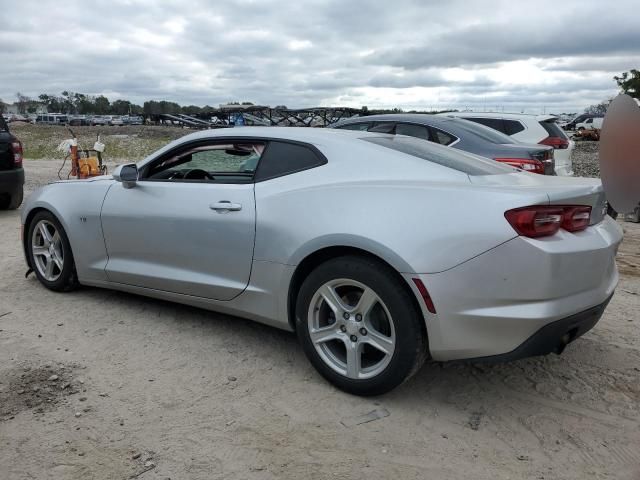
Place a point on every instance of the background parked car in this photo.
(541, 129)
(132, 120)
(580, 119)
(11, 172)
(460, 134)
(114, 120)
(99, 120)
(590, 124)
(52, 119)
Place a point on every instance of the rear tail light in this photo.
(533, 166)
(576, 218)
(545, 220)
(16, 148)
(556, 142)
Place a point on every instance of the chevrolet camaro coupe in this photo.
(379, 251)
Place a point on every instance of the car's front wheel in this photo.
(50, 253)
(359, 326)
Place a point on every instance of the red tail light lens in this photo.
(576, 218)
(16, 148)
(544, 220)
(533, 166)
(556, 142)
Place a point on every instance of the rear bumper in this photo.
(554, 337)
(11, 181)
(491, 304)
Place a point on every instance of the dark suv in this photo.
(11, 172)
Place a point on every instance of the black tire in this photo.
(411, 348)
(16, 199)
(68, 279)
(11, 201)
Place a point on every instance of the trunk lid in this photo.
(559, 190)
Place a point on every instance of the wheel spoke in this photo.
(46, 236)
(379, 341)
(366, 302)
(333, 300)
(353, 359)
(56, 259)
(325, 334)
(37, 251)
(48, 273)
(56, 239)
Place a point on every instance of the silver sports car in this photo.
(379, 251)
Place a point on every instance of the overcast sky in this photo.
(490, 54)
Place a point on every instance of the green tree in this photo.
(51, 102)
(101, 105)
(629, 82)
(120, 107)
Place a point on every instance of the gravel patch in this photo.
(585, 159)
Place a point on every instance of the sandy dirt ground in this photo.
(98, 384)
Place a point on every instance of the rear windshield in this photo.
(447, 157)
(486, 133)
(553, 129)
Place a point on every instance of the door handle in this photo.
(225, 206)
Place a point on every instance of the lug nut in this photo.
(358, 317)
(345, 315)
(354, 338)
(343, 328)
(363, 331)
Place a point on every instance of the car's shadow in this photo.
(579, 382)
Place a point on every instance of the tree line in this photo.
(79, 103)
(82, 104)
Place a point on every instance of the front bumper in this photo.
(11, 181)
(491, 304)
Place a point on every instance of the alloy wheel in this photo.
(47, 250)
(351, 329)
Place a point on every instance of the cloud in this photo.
(408, 53)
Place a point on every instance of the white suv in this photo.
(525, 128)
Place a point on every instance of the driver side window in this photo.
(223, 163)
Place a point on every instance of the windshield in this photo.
(486, 133)
(445, 156)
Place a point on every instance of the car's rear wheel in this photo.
(359, 326)
(50, 253)
(11, 201)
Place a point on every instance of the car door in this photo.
(188, 224)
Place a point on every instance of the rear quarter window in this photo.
(511, 127)
(450, 158)
(495, 123)
(284, 158)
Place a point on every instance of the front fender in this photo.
(77, 206)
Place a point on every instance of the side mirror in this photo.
(126, 174)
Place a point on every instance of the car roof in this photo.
(310, 135)
(396, 117)
(502, 115)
